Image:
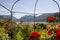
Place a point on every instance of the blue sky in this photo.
(43, 6)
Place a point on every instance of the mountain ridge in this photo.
(30, 18)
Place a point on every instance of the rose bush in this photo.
(26, 32)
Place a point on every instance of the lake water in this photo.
(35, 22)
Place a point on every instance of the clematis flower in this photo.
(5, 31)
(34, 35)
(47, 28)
(57, 34)
(49, 33)
(51, 19)
(59, 25)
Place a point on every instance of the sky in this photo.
(43, 6)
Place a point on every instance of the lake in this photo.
(35, 22)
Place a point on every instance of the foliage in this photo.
(40, 26)
(23, 32)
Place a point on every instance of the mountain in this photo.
(42, 17)
(3, 17)
(26, 18)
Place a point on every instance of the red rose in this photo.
(57, 34)
(51, 19)
(54, 20)
(49, 33)
(34, 35)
